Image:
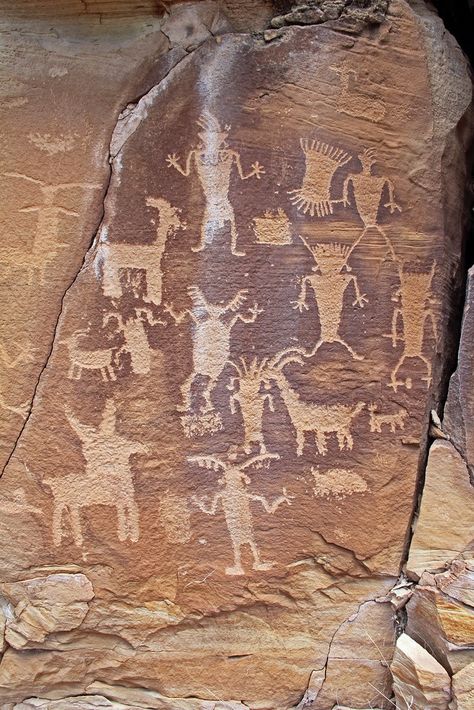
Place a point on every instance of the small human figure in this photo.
(213, 161)
(234, 499)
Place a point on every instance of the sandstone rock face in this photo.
(420, 682)
(208, 492)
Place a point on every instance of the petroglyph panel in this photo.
(234, 408)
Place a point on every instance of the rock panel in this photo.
(226, 438)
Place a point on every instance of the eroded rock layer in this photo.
(206, 502)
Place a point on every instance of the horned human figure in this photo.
(213, 161)
(212, 329)
(329, 283)
(414, 309)
(234, 499)
(136, 339)
(368, 190)
(107, 480)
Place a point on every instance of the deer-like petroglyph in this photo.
(107, 479)
(378, 420)
(235, 501)
(213, 161)
(368, 191)
(211, 332)
(251, 379)
(46, 244)
(98, 359)
(414, 309)
(315, 195)
(320, 420)
(116, 257)
(329, 284)
(354, 103)
(135, 336)
(272, 228)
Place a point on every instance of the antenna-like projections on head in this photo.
(333, 253)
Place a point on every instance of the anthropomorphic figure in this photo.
(368, 190)
(251, 397)
(213, 161)
(235, 501)
(329, 282)
(414, 309)
(212, 329)
(46, 238)
(107, 479)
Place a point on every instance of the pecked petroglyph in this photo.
(247, 394)
(272, 228)
(329, 284)
(211, 331)
(21, 410)
(17, 504)
(25, 353)
(107, 479)
(53, 144)
(118, 257)
(354, 103)
(368, 191)
(213, 161)
(136, 339)
(81, 358)
(175, 517)
(378, 420)
(46, 244)
(337, 483)
(315, 195)
(318, 420)
(414, 310)
(235, 501)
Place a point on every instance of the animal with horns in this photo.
(213, 161)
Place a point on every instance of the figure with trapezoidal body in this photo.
(368, 190)
(235, 501)
(213, 161)
(213, 324)
(107, 479)
(329, 284)
(415, 301)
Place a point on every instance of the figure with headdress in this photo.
(368, 190)
(213, 161)
(329, 282)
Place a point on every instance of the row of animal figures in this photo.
(108, 480)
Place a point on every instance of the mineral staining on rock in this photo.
(240, 363)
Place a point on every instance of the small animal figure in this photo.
(83, 359)
(377, 421)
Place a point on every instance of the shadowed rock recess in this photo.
(237, 468)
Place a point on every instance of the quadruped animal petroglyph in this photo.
(352, 101)
(379, 420)
(235, 501)
(211, 333)
(329, 284)
(415, 308)
(213, 161)
(321, 161)
(107, 479)
(116, 257)
(96, 359)
(136, 339)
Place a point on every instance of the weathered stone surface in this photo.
(445, 525)
(463, 689)
(43, 606)
(445, 626)
(419, 681)
(226, 436)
